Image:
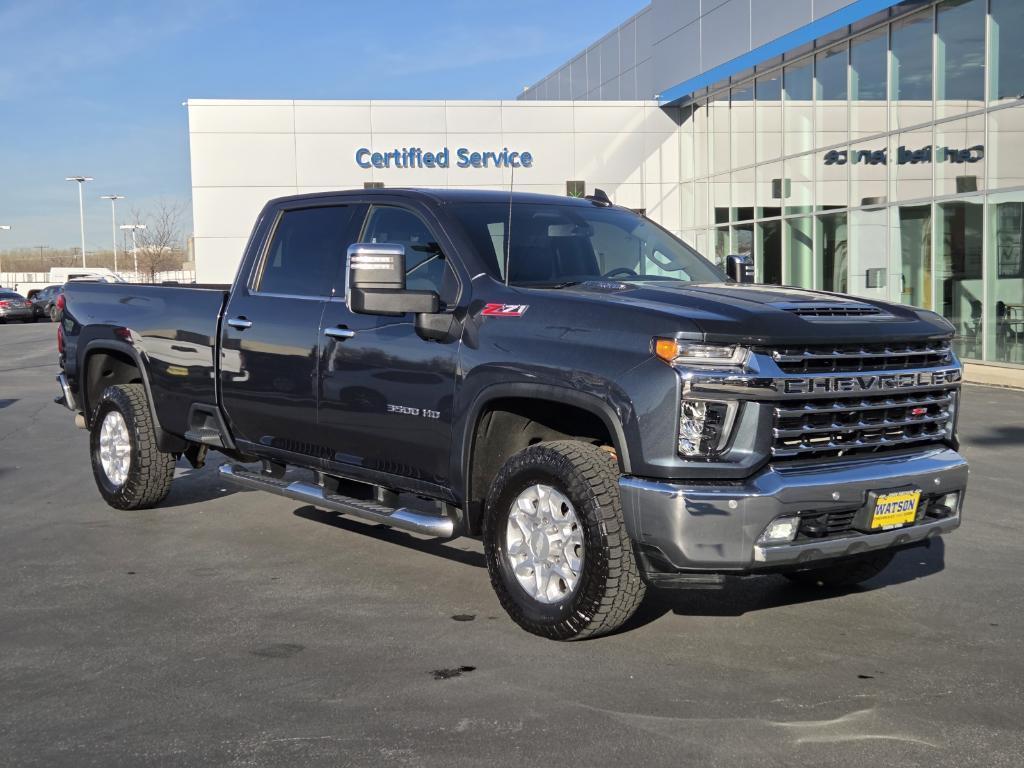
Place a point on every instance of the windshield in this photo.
(554, 245)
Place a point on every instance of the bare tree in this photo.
(162, 242)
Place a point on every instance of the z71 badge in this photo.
(505, 310)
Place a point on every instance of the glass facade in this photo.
(888, 165)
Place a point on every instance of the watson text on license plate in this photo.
(897, 508)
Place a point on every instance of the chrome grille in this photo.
(841, 426)
(851, 358)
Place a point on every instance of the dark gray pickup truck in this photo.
(560, 377)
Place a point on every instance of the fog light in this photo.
(780, 531)
(704, 427)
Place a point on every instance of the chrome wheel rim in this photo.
(544, 544)
(115, 448)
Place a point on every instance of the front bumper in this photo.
(715, 528)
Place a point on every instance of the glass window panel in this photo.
(686, 170)
(912, 70)
(868, 173)
(770, 189)
(742, 200)
(911, 244)
(800, 252)
(831, 253)
(868, 84)
(910, 160)
(1005, 296)
(743, 240)
(700, 140)
(769, 117)
(960, 57)
(769, 252)
(831, 186)
(797, 84)
(742, 121)
(798, 192)
(720, 197)
(1005, 150)
(831, 114)
(869, 249)
(721, 245)
(718, 139)
(959, 156)
(1006, 54)
(958, 286)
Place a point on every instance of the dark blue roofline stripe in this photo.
(855, 11)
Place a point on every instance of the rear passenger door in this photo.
(271, 329)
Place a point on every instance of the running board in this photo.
(401, 518)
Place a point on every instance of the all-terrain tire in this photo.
(609, 588)
(150, 470)
(844, 574)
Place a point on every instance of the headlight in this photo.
(704, 427)
(691, 353)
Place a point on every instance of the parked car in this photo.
(560, 377)
(14, 306)
(44, 302)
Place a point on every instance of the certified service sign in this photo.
(415, 157)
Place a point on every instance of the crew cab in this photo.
(560, 377)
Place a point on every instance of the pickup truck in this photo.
(562, 378)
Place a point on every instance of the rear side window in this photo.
(306, 251)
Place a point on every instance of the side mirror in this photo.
(739, 268)
(376, 282)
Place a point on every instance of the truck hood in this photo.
(761, 314)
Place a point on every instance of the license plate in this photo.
(895, 509)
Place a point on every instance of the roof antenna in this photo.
(508, 226)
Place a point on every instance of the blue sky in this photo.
(95, 88)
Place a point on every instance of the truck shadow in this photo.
(194, 486)
(438, 548)
(746, 595)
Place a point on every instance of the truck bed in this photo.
(173, 328)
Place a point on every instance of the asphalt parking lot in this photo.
(239, 628)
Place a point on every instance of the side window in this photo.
(425, 266)
(306, 252)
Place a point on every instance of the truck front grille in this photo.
(841, 426)
(852, 358)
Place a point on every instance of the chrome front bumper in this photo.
(66, 396)
(716, 527)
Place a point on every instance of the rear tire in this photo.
(845, 574)
(578, 504)
(130, 471)
(54, 314)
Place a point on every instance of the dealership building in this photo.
(873, 147)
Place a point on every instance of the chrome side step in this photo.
(402, 518)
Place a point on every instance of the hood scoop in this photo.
(826, 310)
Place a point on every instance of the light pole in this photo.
(5, 228)
(113, 220)
(81, 208)
(135, 247)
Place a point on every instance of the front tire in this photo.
(130, 471)
(846, 573)
(557, 550)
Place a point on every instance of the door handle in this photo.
(339, 333)
(240, 323)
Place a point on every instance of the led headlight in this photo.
(704, 427)
(677, 352)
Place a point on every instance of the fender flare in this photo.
(165, 440)
(536, 391)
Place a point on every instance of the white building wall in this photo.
(246, 152)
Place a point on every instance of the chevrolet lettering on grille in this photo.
(869, 382)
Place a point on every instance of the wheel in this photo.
(846, 573)
(130, 471)
(54, 314)
(556, 546)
